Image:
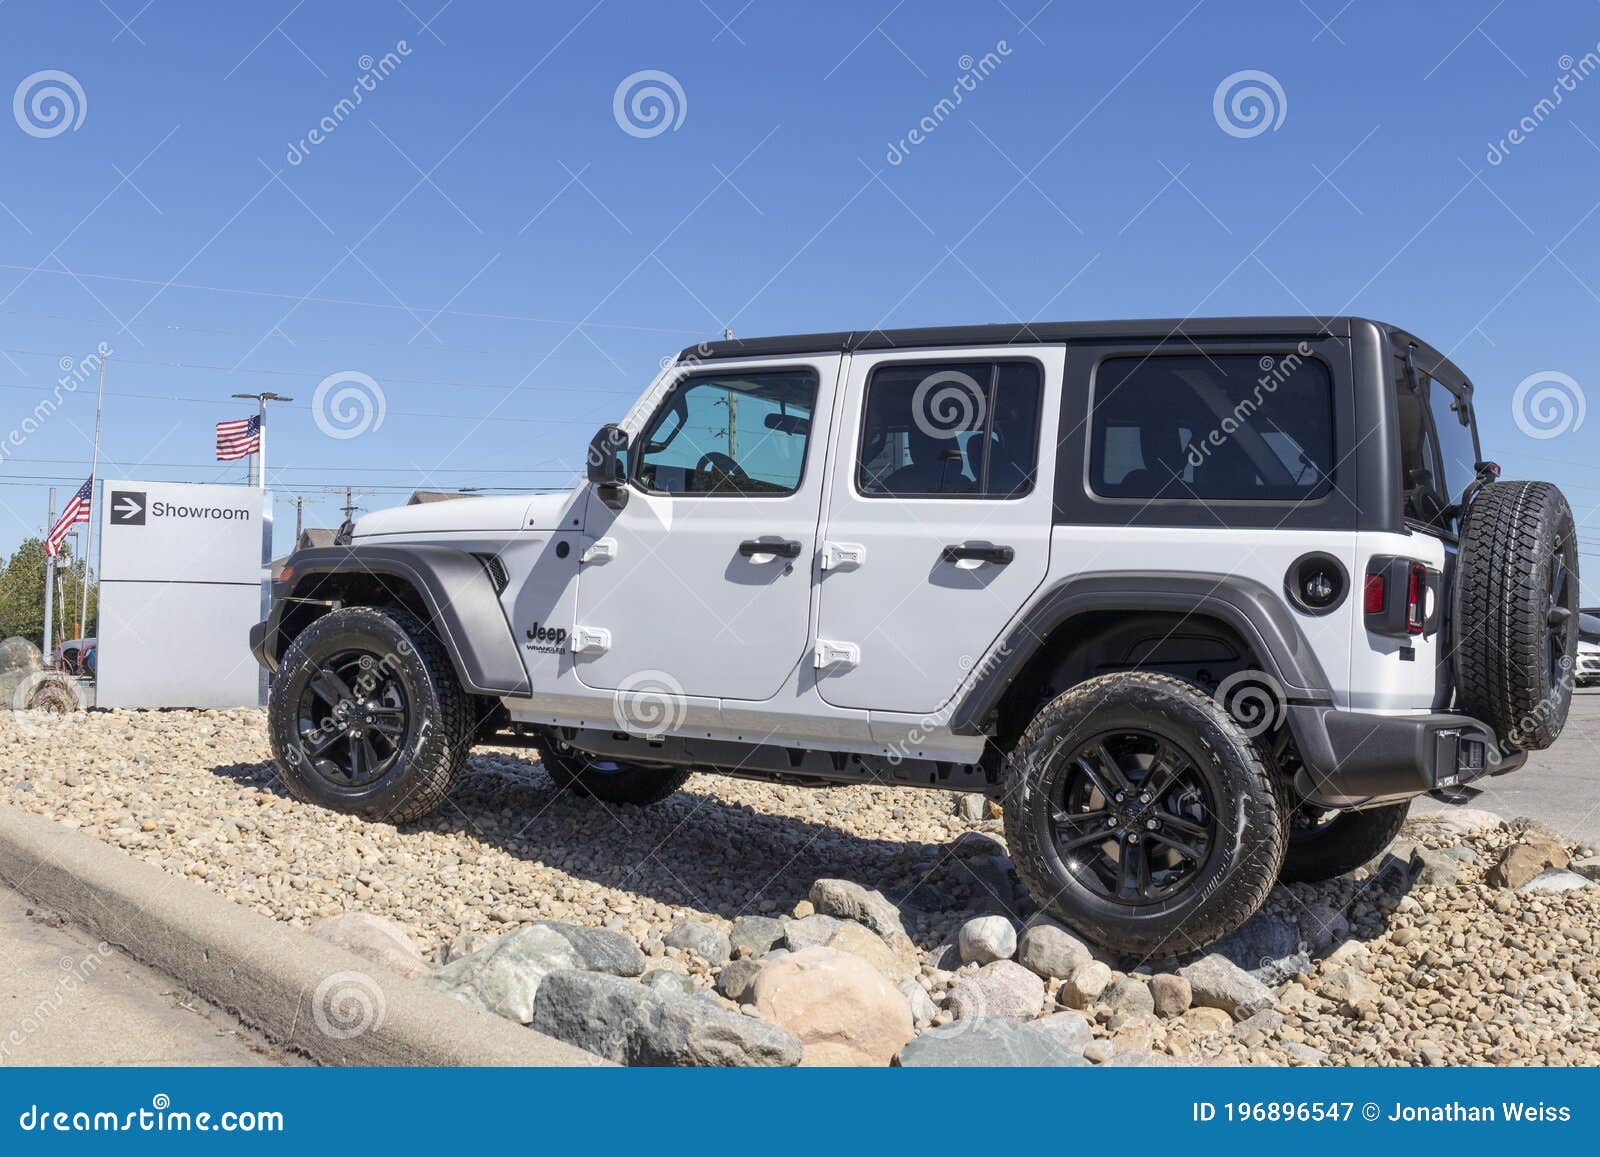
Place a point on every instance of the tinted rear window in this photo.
(1226, 428)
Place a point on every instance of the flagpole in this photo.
(260, 457)
(94, 507)
(49, 583)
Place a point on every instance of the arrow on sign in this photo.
(127, 508)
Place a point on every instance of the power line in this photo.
(431, 311)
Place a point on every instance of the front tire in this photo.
(610, 780)
(366, 716)
(1324, 849)
(1140, 813)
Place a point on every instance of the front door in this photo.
(939, 518)
(701, 584)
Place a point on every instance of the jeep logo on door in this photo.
(127, 507)
(551, 640)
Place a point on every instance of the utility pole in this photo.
(299, 516)
(94, 508)
(349, 504)
(258, 462)
(49, 582)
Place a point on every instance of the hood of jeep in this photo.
(499, 514)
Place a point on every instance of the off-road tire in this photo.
(609, 780)
(1514, 536)
(1342, 844)
(1250, 823)
(434, 750)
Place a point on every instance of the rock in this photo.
(927, 897)
(1268, 946)
(842, 1009)
(668, 981)
(1347, 988)
(987, 939)
(994, 882)
(700, 938)
(945, 958)
(600, 949)
(988, 1042)
(1434, 869)
(1128, 994)
(1257, 1028)
(374, 938)
(465, 945)
(862, 941)
(1322, 926)
(1140, 1058)
(634, 1024)
(1097, 1051)
(1000, 988)
(1207, 1020)
(1084, 986)
(505, 977)
(738, 979)
(923, 1010)
(975, 845)
(1170, 994)
(969, 805)
(850, 901)
(1588, 868)
(1458, 823)
(1071, 1030)
(1218, 982)
(1524, 860)
(1304, 1054)
(809, 932)
(758, 934)
(1051, 951)
(1351, 952)
(1556, 880)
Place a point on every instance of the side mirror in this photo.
(608, 464)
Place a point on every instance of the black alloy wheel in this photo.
(353, 718)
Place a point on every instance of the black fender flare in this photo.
(1259, 614)
(459, 594)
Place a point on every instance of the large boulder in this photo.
(1525, 859)
(1434, 869)
(986, 939)
(505, 977)
(843, 1009)
(874, 949)
(600, 949)
(1052, 951)
(1217, 982)
(809, 932)
(374, 938)
(1458, 823)
(990, 1042)
(19, 656)
(1084, 986)
(850, 901)
(635, 1024)
(1268, 946)
(1556, 880)
(1001, 988)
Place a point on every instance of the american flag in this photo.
(76, 511)
(239, 438)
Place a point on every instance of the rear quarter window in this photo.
(1230, 427)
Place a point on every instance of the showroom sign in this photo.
(183, 576)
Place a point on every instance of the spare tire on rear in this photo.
(1516, 612)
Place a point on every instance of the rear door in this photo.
(938, 522)
(701, 583)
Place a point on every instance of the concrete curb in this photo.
(300, 992)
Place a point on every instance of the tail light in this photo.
(1385, 610)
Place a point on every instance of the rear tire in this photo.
(610, 780)
(1146, 755)
(1516, 612)
(1325, 851)
(366, 716)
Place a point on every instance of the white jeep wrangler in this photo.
(1205, 603)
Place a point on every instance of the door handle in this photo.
(999, 555)
(783, 548)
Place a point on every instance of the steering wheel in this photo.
(715, 462)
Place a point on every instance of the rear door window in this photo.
(1230, 427)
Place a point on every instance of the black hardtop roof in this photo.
(1053, 332)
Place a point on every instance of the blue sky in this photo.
(484, 240)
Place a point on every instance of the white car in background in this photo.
(1588, 649)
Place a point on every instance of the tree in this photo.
(22, 592)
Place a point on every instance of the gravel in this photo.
(1397, 973)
